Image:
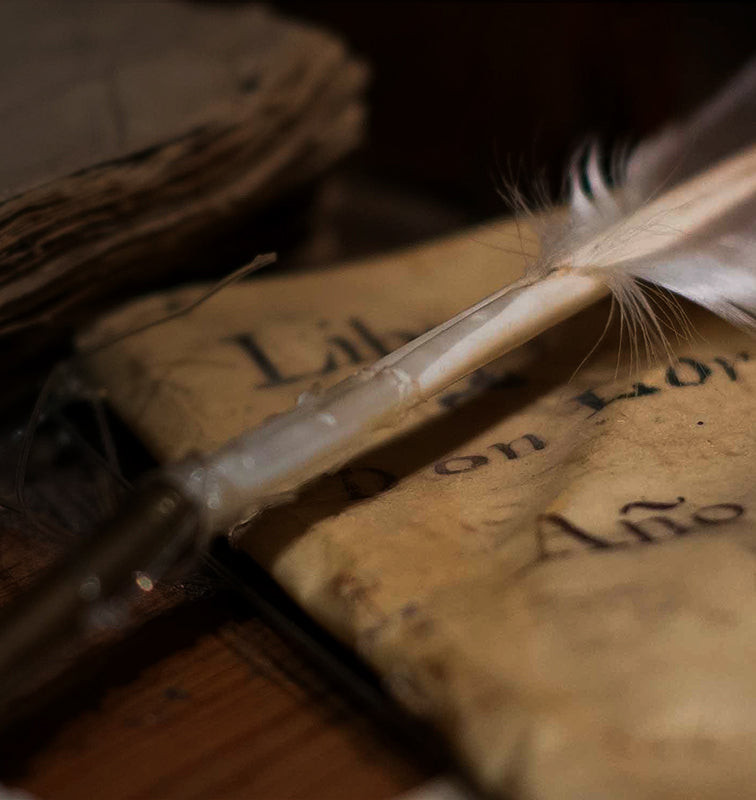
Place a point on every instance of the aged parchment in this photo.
(553, 562)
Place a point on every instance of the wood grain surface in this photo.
(198, 704)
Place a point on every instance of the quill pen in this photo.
(678, 215)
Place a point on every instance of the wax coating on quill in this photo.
(684, 225)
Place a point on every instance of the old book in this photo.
(140, 132)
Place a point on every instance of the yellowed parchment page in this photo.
(553, 561)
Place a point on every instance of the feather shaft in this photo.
(266, 465)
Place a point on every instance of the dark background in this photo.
(463, 92)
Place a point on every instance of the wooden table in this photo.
(199, 703)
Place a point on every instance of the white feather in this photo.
(682, 220)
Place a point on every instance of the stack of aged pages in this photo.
(131, 132)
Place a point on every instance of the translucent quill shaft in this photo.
(264, 465)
